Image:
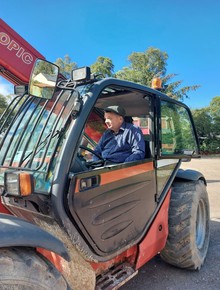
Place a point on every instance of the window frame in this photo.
(187, 154)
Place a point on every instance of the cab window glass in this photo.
(143, 123)
(177, 134)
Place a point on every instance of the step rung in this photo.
(115, 277)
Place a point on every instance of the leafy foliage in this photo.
(144, 66)
(66, 65)
(3, 103)
(215, 107)
(207, 122)
(215, 114)
(203, 122)
(103, 66)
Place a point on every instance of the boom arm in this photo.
(17, 56)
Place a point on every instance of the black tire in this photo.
(189, 215)
(23, 269)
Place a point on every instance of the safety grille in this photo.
(30, 131)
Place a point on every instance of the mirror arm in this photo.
(64, 84)
(65, 88)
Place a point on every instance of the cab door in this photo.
(112, 205)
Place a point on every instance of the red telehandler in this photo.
(68, 222)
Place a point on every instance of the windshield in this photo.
(32, 133)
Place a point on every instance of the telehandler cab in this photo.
(68, 222)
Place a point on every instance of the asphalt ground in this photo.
(157, 275)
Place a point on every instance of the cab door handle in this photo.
(89, 182)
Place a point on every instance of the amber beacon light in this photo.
(156, 84)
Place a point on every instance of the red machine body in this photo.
(17, 56)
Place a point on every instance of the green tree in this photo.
(203, 122)
(215, 114)
(103, 66)
(144, 66)
(66, 65)
(208, 128)
(215, 107)
(3, 103)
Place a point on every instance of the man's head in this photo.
(117, 110)
(114, 117)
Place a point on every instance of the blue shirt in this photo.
(127, 145)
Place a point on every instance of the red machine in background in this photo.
(17, 56)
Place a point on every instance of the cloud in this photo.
(6, 88)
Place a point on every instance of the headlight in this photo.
(19, 183)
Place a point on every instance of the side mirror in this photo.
(43, 79)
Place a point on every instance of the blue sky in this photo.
(188, 30)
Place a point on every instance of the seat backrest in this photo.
(128, 119)
(147, 149)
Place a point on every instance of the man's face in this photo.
(113, 121)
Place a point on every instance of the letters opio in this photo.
(13, 46)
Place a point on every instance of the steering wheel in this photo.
(96, 163)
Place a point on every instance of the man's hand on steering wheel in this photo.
(93, 163)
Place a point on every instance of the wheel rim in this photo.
(200, 224)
